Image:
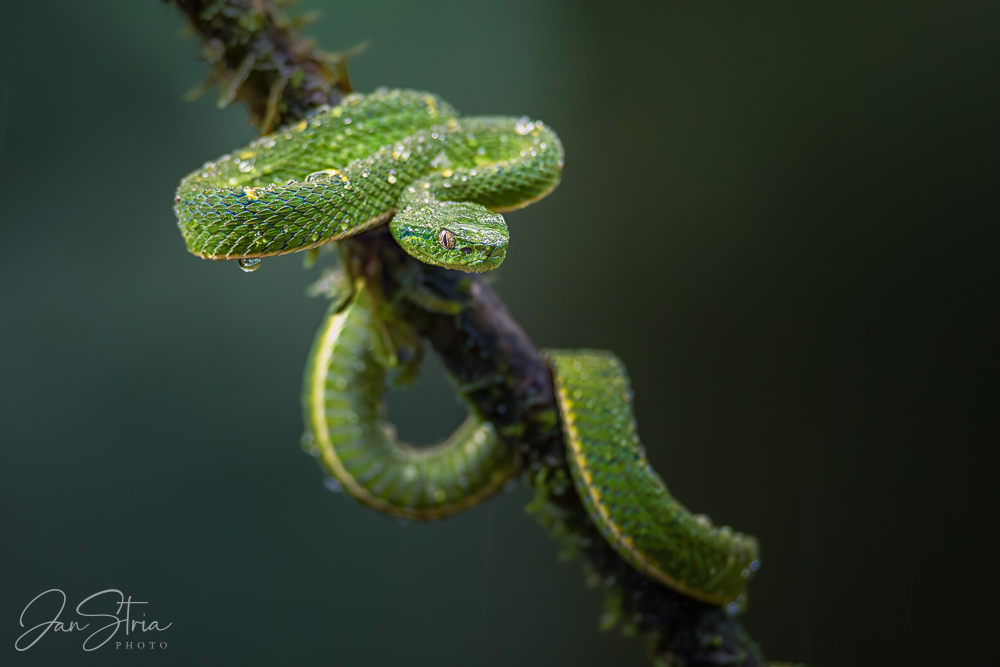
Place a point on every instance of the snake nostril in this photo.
(466, 251)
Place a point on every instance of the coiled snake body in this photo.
(441, 181)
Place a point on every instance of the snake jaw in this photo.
(491, 258)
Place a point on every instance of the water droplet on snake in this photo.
(524, 125)
(250, 265)
(324, 174)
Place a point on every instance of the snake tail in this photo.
(625, 497)
(344, 383)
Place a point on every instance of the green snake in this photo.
(441, 181)
(393, 154)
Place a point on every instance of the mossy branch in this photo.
(259, 60)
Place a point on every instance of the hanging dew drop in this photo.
(250, 265)
(309, 445)
(332, 484)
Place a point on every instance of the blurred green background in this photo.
(774, 212)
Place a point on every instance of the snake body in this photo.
(351, 167)
(440, 181)
(627, 499)
(344, 383)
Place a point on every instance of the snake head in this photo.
(454, 235)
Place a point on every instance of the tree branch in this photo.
(259, 60)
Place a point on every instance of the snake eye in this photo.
(447, 239)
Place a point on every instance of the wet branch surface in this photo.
(258, 59)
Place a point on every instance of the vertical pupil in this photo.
(446, 239)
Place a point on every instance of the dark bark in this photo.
(260, 61)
